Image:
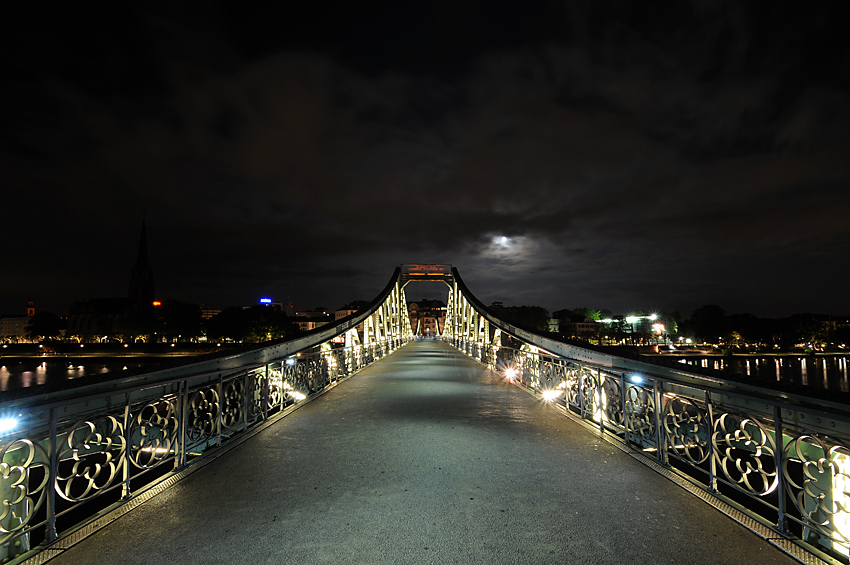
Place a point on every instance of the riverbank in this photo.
(89, 350)
(710, 351)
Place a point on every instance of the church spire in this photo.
(141, 279)
(142, 256)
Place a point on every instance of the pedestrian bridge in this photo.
(359, 443)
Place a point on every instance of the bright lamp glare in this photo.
(290, 361)
(636, 379)
(8, 424)
(550, 395)
(510, 374)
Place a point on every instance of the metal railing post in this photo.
(661, 452)
(625, 414)
(282, 379)
(599, 396)
(266, 391)
(184, 407)
(53, 474)
(245, 398)
(128, 447)
(779, 461)
(581, 393)
(220, 409)
(712, 467)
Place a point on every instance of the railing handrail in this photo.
(228, 364)
(609, 361)
(137, 387)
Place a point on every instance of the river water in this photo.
(23, 372)
(828, 372)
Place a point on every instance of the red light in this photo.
(157, 303)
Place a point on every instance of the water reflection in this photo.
(75, 372)
(28, 372)
(822, 372)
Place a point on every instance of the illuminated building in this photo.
(427, 317)
(13, 327)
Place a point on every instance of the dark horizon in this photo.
(561, 154)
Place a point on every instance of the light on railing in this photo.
(290, 361)
(157, 450)
(637, 379)
(550, 395)
(299, 395)
(7, 424)
(841, 498)
(510, 374)
(600, 401)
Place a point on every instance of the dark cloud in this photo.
(636, 156)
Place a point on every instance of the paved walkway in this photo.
(424, 457)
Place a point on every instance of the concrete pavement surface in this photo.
(424, 457)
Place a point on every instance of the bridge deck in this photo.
(424, 457)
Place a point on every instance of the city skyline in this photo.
(560, 154)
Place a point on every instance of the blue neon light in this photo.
(265, 300)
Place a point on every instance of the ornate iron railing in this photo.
(724, 442)
(78, 458)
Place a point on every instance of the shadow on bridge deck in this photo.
(424, 457)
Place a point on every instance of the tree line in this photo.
(180, 321)
(707, 324)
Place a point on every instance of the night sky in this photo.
(655, 156)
